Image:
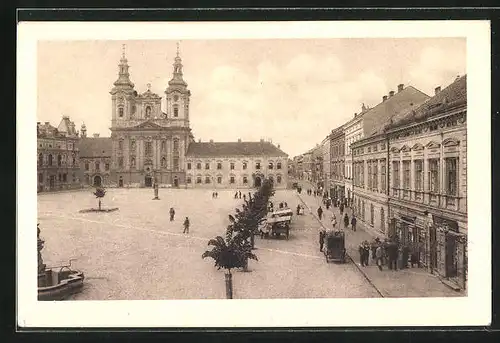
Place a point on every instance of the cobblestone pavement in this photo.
(411, 282)
(136, 253)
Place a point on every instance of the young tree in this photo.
(229, 254)
(41, 265)
(99, 193)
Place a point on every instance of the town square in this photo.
(269, 201)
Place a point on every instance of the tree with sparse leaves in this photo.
(100, 193)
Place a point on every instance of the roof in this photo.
(376, 119)
(221, 149)
(455, 92)
(94, 147)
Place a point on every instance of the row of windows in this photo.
(60, 177)
(232, 179)
(232, 165)
(97, 166)
(62, 160)
(434, 174)
(147, 115)
(163, 162)
(405, 171)
(373, 148)
(148, 146)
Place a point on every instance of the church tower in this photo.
(122, 94)
(177, 95)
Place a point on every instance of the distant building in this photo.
(95, 159)
(337, 160)
(325, 157)
(235, 164)
(58, 157)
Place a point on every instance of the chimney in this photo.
(384, 98)
(355, 114)
(211, 141)
(199, 140)
(239, 140)
(46, 123)
(278, 146)
(437, 90)
(400, 87)
(391, 93)
(96, 135)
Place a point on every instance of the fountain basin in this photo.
(59, 283)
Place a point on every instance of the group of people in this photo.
(186, 221)
(385, 253)
(215, 195)
(353, 220)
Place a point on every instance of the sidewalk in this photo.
(411, 282)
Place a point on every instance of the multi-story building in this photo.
(95, 159)
(428, 175)
(326, 168)
(299, 166)
(58, 157)
(235, 164)
(370, 156)
(353, 131)
(317, 165)
(307, 165)
(337, 160)
(149, 144)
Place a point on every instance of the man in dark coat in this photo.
(393, 255)
(322, 235)
(346, 221)
(172, 213)
(320, 212)
(353, 222)
(186, 225)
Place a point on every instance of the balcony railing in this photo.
(439, 200)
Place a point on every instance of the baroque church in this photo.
(151, 141)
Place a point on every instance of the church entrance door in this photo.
(148, 181)
(257, 182)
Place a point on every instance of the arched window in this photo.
(86, 166)
(97, 166)
(120, 112)
(278, 165)
(163, 162)
(148, 112)
(132, 162)
(176, 144)
(59, 160)
(176, 111)
(40, 159)
(163, 145)
(278, 178)
(120, 144)
(176, 162)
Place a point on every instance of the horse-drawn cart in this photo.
(277, 223)
(335, 246)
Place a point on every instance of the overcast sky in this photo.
(293, 91)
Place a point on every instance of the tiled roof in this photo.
(220, 149)
(93, 147)
(377, 118)
(456, 91)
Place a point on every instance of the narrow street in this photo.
(411, 282)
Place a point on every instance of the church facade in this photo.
(151, 141)
(147, 144)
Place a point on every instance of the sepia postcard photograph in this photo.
(253, 174)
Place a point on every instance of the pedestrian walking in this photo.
(353, 222)
(341, 208)
(346, 221)
(366, 252)
(236, 195)
(186, 225)
(393, 255)
(334, 222)
(322, 235)
(172, 214)
(239, 194)
(298, 209)
(244, 197)
(217, 195)
(361, 255)
(378, 256)
(320, 212)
